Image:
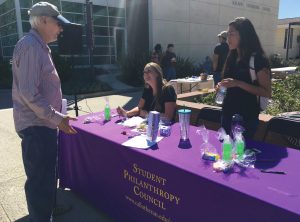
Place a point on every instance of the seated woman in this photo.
(157, 96)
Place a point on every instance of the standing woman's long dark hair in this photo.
(249, 41)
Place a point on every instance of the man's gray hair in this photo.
(35, 21)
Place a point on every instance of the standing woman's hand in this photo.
(229, 83)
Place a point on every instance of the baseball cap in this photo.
(47, 9)
(223, 34)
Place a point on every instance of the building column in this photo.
(150, 23)
(18, 18)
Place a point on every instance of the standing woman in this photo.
(241, 97)
(157, 95)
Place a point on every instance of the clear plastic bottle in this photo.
(237, 125)
(107, 110)
(227, 149)
(221, 95)
(239, 145)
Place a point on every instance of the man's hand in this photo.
(65, 126)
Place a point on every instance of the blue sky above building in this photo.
(289, 9)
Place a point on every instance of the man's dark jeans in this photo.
(39, 152)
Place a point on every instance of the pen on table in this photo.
(271, 171)
(266, 160)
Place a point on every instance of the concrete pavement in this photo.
(12, 176)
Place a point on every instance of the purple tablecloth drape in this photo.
(169, 183)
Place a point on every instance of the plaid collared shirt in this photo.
(36, 90)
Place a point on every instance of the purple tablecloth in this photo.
(168, 183)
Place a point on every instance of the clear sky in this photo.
(289, 9)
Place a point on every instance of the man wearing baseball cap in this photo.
(220, 55)
(37, 102)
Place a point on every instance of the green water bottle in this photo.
(227, 149)
(240, 145)
(107, 110)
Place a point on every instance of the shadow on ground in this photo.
(81, 210)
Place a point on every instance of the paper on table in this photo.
(133, 121)
(141, 142)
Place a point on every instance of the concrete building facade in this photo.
(192, 25)
(135, 26)
(281, 38)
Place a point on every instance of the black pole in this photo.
(76, 106)
(90, 36)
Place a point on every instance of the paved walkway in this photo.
(12, 176)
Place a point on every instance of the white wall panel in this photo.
(192, 25)
(175, 10)
(204, 13)
(165, 32)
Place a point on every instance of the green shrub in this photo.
(285, 95)
(276, 61)
(186, 67)
(132, 67)
(5, 75)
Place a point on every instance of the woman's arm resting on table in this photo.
(133, 112)
(170, 108)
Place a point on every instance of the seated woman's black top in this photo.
(158, 104)
(238, 100)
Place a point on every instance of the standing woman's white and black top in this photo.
(241, 97)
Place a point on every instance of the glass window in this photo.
(286, 38)
(72, 7)
(113, 60)
(7, 6)
(116, 12)
(98, 60)
(26, 26)
(25, 3)
(101, 50)
(24, 14)
(102, 31)
(100, 20)
(99, 10)
(8, 17)
(101, 41)
(75, 18)
(81, 60)
(54, 49)
(119, 22)
(111, 31)
(112, 41)
(112, 51)
(10, 40)
(8, 29)
(8, 51)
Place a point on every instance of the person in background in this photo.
(157, 54)
(157, 96)
(219, 57)
(37, 103)
(241, 96)
(207, 65)
(168, 63)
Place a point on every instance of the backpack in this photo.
(263, 102)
